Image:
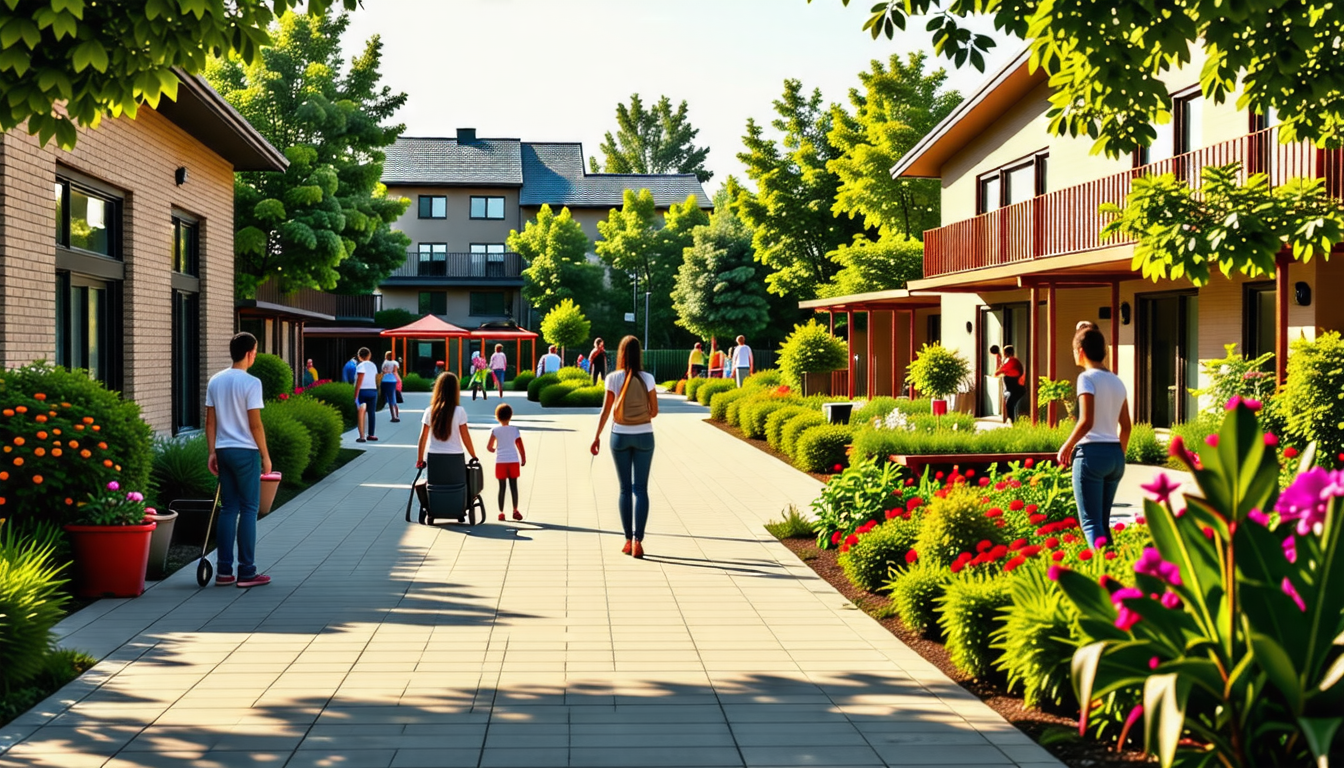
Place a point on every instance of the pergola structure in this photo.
(428, 327)
(894, 302)
(514, 333)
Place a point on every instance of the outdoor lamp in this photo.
(1302, 292)
(1124, 313)
(180, 176)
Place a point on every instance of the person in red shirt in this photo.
(1014, 381)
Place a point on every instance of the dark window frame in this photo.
(435, 299)
(420, 206)
(1250, 314)
(184, 223)
(68, 182)
(472, 308)
(1038, 160)
(111, 336)
(471, 208)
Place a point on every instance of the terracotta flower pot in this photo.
(270, 483)
(110, 560)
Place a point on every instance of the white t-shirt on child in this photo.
(454, 442)
(506, 444)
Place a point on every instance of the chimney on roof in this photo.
(466, 135)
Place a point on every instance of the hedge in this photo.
(793, 429)
(751, 418)
(277, 378)
(288, 442)
(521, 381)
(775, 421)
(414, 382)
(822, 448)
(340, 396)
(323, 423)
(539, 383)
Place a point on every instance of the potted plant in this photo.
(938, 372)
(1048, 392)
(109, 538)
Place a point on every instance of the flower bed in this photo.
(918, 464)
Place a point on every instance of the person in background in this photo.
(366, 395)
(581, 363)
(597, 360)
(348, 372)
(1096, 447)
(438, 368)
(717, 362)
(744, 364)
(549, 362)
(444, 430)
(506, 443)
(309, 374)
(236, 441)
(499, 366)
(1014, 382)
(480, 376)
(998, 394)
(695, 364)
(390, 384)
(632, 402)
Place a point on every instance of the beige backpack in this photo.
(632, 406)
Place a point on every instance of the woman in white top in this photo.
(1096, 447)
(499, 365)
(366, 394)
(390, 384)
(632, 402)
(444, 430)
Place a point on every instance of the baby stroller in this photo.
(452, 491)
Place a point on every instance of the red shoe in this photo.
(516, 515)
(259, 580)
(501, 515)
(638, 551)
(626, 549)
(225, 581)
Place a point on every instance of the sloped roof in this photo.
(443, 161)
(553, 174)
(427, 327)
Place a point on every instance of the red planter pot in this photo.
(110, 560)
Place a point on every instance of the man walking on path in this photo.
(597, 360)
(743, 362)
(238, 455)
(549, 362)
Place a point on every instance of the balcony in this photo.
(315, 305)
(1066, 221)
(465, 268)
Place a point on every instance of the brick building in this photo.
(117, 256)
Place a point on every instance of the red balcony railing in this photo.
(1067, 221)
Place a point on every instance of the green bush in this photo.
(1021, 437)
(288, 442)
(876, 408)
(181, 470)
(668, 386)
(521, 381)
(971, 609)
(822, 448)
(340, 396)
(394, 318)
(1037, 639)
(551, 395)
(766, 377)
(693, 385)
(1144, 447)
(119, 443)
(775, 421)
(859, 495)
(711, 387)
(868, 564)
(1311, 402)
(539, 383)
(414, 382)
(590, 396)
(938, 371)
(31, 602)
(277, 378)
(792, 526)
(915, 593)
(751, 417)
(58, 668)
(324, 426)
(921, 406)
(794, 428)
(963, 423)
(719, 403)
(574, 373)
(954, 524)
(1194, 434)
(732, 415)
(810, 348)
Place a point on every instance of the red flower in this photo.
(1052, 542)
(1037, 518)
(851, 539)
(1031, 551)
(844, 548)
(1057, 555)
(913, 504)
(957, 566)
(283, 396)
(835, 537)
(998, 523)
(1211, 441)
(1014, 484)
(1018, 544)
(1290, 452)
(999, 486)
(1029, 463)
(942, 494)
(984, 546)
(1012, 564)
(1032, 509)
(984, 481)
(970, 473)
(1086, 554)
(911, 557)
(1271, 440)
(1208, 533)
(937, 475)
(1069, 538)
(909, 481)
(998, 552)
(1110, 554)
(1118, 527)
(838, 467)
(1017, 505)
(994, 512)
(892, 514)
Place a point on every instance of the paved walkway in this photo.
(532, 644)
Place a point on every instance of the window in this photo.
(186, 361)
(86, 220)
(935, 334)
(1183, 134)
(989, 196)
(490, 248)
(1014, 183)
(491, 304)
(86, 312)
(433, 303)
(433, 207)
(186, 243)
(1260, 313)
(487, 207)
(433, 260)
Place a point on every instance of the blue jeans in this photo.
(390, 397)
(633, 455)
(1097, 469)
(369, 398)
(239, 497)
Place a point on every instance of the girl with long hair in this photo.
(632, 403)
(444, 430)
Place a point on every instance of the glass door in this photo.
(1001, 326)
(1169, 344)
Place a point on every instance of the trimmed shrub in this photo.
(869, 563)
(938, 371)
(923, 406)
(1144, 447)
(751, 417)
(794, 427)
(340, 396)
(720, 402)
(31, 602)
(971, 609)
(551, 395)
(539, 383)
(711, 387)
(573, 373)
(766, 377)
(1310, 403)
(1037, 639)
(693, 385)
(668, 386)
(288, 442)
(810, 348)
(38, 399)
(876, 408)
(732, 415)
(323, 423)
(181, 471)
(414, 382)
(277, 378)
(590, 396)
(954, 524)
(915, 593)
(823, 447)
(521, 381)
(1019, 438)
(775, 421)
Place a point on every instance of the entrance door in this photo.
(1168, 347)
(1000, 326)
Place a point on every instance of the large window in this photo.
(86, 220)
(87, 313)
(433, 207)
(490, 248)
(1013, 183)
(186, 344)
(488, 304)
(1259, 332)
(88, 279)
(186, 247)
(433, 260)
(487, 207)
(1183, 134)
(433, 303)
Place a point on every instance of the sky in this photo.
(554, 70)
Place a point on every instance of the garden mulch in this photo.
(1056, 731)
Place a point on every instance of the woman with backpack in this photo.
(632, 403)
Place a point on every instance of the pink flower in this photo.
(1178, 450)
(1154, 662)
(1256, 516)
(1101, 542)
(1170, 600)
(1271, 440)
(1150, 563)
(1290, 549)
(1291, 591)
(1162, 486)
(1211, 441)
(114, 486)
(1140, 520)
(1053, 572)
(1308, 499)
(1126, 619)
(135, 496)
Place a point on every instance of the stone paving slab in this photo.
(521, 644)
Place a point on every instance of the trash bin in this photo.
(193, 520)
(837, 413)
(159, 542)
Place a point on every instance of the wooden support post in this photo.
(1281, 322)
(1051, 349)
(910, 358)
(1033, 360)
(870, 382)
(894, 385)
(849, 345)
(1115, 327)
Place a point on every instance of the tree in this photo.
(556, 250)
(791, 209)
(718, 293)
(898, 105)
(324, 223)
(565, 325)
(883, 264)
(810, 349)
(657, 140)
(65, 63)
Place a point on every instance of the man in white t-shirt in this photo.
(743, 362)
(549, 362)
(238, 455)
(366, 395)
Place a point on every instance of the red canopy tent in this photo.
(427, 327)
(487, 333)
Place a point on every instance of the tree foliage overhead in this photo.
(657, 140)
(886, 263)
(718, 292)
(65, 63)
(325, 222)
(565, 325)
(790, 212)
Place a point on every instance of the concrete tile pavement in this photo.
(521, 644)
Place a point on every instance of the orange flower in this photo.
(69, 501)
(118, 467)
(107, 462)
(79, 427)
(37, 479)
(85, 453)
(40, 419)
(96, 428)
(8, 448)
(18, 441)
(73, 443)
(18, 462)
(41, 435)
(56, 452)
(55, 431)
(4, 476)
(65, 405)
(9, 411)
(40, 452)
(102, 446)
(21, 409)
(88, 419)
(39, 396)
(2, 499)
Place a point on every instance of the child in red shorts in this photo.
(507, 445)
